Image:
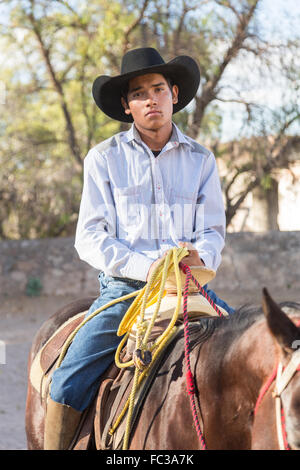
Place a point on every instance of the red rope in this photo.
(268, 384)
(265, 388)
(186, 270)
(262, 393)
(189, 375)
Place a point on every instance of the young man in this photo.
(145, 191)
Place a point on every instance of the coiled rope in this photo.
(153, 291)
(145, 355)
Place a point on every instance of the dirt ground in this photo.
(20, 319)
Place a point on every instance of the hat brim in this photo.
(183, 71)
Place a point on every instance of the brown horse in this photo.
(232, 360)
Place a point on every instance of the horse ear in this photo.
(282, 328)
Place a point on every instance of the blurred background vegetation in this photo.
(247, 108)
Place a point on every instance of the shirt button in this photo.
(158, 187)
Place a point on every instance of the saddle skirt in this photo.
(114, 389)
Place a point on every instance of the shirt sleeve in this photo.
(95, 239)
(210, 222)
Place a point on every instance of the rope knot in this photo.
(142, 359)
(141, 327)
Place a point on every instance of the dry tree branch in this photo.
(57, 86)
(209, 91)
(131, 28)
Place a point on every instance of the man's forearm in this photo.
(110, 255)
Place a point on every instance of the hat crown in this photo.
(142, 58)
(183, 71)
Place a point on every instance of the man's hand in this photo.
(193, 258)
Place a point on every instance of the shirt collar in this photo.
(133, 134)
(177, 136)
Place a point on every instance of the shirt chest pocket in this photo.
(182, 197)
(182, 208)
(127, 201)
(130, 193)
(184, 200)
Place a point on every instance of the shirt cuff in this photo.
(138, 266)
(207, 259)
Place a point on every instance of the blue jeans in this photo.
(218, 301)
(76, 381)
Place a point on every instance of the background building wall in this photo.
(51, 267)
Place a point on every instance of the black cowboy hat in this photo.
(183, 72)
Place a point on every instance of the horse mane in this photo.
(247, 314)
(226, 330)
(231, 326)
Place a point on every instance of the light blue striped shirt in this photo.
(136, 206)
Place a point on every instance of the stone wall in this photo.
(45, 266)
(52, 267)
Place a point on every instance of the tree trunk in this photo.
(265, 208)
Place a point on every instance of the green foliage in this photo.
(33, 287)
(266, 182)
(52, 52)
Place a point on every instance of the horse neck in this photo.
(230, 371)
(250, 352)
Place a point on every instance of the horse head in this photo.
(280, 395)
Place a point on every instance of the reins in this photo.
(189, 375)
(282, 377)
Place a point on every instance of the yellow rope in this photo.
(140, 379)
(152, 292)
(157, 283)
(133, 311)
(137, 307)
(160, 273)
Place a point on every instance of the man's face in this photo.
(150, 101)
